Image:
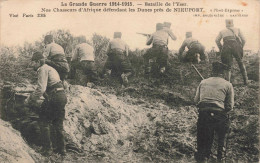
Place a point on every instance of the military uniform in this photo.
(52, 110)
(117, 60)
(56, 58)
(232, 47)
(194, 47)
(83, 58)
(215, 98)
(159, 50)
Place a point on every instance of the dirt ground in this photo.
(151, 120)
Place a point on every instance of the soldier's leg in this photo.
(164, 59)
(74, 66)
(238, 57)
(221, 130)
(58, 138)
(147, 56)
(53, 137)
(63, 70)
(204, 137)
(93, 72)
(107, 66)
(45, 137)
(90, 71)
(127, 70)
(201, 51)
(44, 124)
(156, 63)
(116, 66)
(190, 56)
(227, 58)
(58, 104)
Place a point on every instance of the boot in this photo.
(244, 74)
(243, 71)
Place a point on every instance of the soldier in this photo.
(232, 47)
(52, 110)
(55, 57)
(159, 50)
(83, 58)
(214, 98)
(212, 53)
(195, 48)
(117, 60)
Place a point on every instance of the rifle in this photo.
(144, 34)
(197, 71)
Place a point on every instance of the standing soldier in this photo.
(52, 110)
(215, 98)
(83, 58)
(159, 50)
(232, 47)
(55, 57)
(196, 49)
(117, 60)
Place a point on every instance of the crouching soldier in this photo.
(117, 60)
(83, 58)
(196, 51)
(55, 57)
(52, 110)
(214, 98)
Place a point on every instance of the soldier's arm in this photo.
(149, 40)
(173, 37)
(126, 50)
(75, 54)
(182, 48)
(218, 39)
(241, 36)
(229, 100)
(108, 48)
(41, 85)
(47, 51)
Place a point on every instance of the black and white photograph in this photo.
(117, 81)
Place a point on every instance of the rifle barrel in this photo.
(144, 34)
(197, 71)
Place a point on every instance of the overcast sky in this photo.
(18, 30)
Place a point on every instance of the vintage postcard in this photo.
(129, 81)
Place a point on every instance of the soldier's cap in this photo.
(48, 38)
(229, 23)
(82, 38)
(188, 34)
(219, 67)
(117, 34)
(37, 56)
(167, 24)
(159, 26)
